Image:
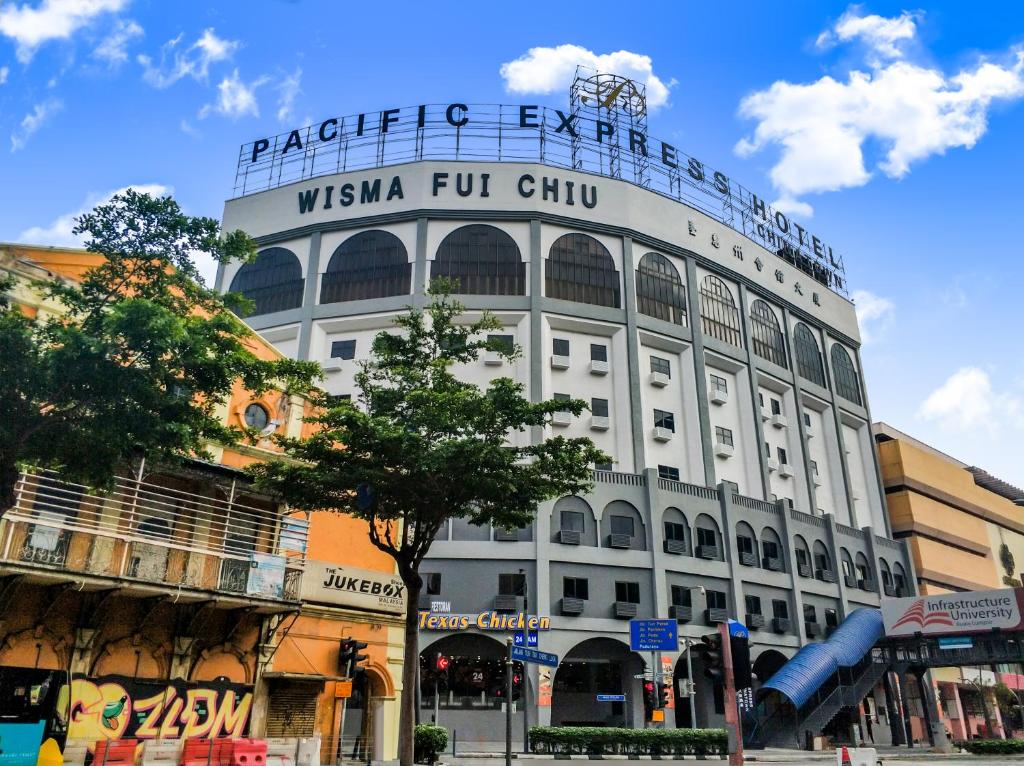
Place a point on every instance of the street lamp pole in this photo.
(691, 697)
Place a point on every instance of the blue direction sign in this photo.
(611, 697)
(653, 636)
(956, 642)
(524, 654)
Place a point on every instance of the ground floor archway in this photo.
(592, 667)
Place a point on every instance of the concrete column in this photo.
(633, 351)
(766, 487)
(805, 454)
(874, 448)
(833, 552)
(933, 720)
(655, 537)
(697, 349)
(901, 680)
(725, 492)
(420, 278)
(789, 554)
(961, 718)
(309, 295)
(876, 570)
(897, 733)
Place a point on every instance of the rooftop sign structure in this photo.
(603, 132)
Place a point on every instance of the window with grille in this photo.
(668, 472)
(807, 420)
(598, 352)
(621, 525)
(822, 561)
(664, 419)
(801, 557)
(783, 457)
(480, 260)
(847, 567)
(716, 599)
(560, 346)
(659, 290)
(504, 343)
(572, 521)
(744, 544)
(343, 349)
(766, 334)
(718, 315)
(718, 383)
(808, 356)
(273, 282)
(628, 592)
(576, 587)
(681, 596)
(770, 549)
(580, 269)
(847, 384)
(776, 407)
(661, 365)
(432, 582)
(810, 613)
(371, 264)
(561, 397)
(723, 435)
(707, 537)
(831, 618)
(675, 531)
(512, 584)
(753, 604)
(780, 609)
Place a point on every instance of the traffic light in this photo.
(349, 657)
(714, 661)
(649, 700)
(443, 663)
(663, 695)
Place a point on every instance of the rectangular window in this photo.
(658, 364)
(598, 352)
(572, 521)
(560, 346)
(622, 525)
(814, 467)
(760, 399)
(801, 557)
(343, 349)
(768, 450)
(771, 549)
(663, 419)
(561, 397)
(810, 613)
(604, 467)
(744, 544)
(681, 596)
(807, 420)
(831, 618)
(668, 472)
(716, 599)
(780, 609)
(719, 383)
(503, 343)
(776, 407)
(675, 531)
(576, 587)
(783, 457)
(628, 592)
(847, 568)
(862, 572)
(512, 584)
(821, 562)
(338, 398)
(432, 582)
(599, 408)
(723, 435)
(753, 604)
(706, 537)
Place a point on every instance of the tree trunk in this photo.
(410, 662)
(9, 475)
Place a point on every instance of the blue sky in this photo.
(892, 130)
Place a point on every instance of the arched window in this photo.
(808, 357)
(659, 290)
(273, 281)
(847, 385)
(718, 315)
(481, 260)
(766, 335)
(371, 264)
(580, 269)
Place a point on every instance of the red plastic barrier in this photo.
(249, 752)
(197, 752)
(115, 752)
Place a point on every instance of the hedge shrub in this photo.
(592, 740)
(429, 741)
(993, 746)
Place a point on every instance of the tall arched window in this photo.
(273, 281)
(481, 260)
(580, 269)
(808, 357)
(766, 335)
(659, 290)
(718, 315)
(371, 264)
(847, 385)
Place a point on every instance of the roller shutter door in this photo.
(291, 710)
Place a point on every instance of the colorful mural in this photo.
(116, 707)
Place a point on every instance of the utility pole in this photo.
(508, 701)
(692, 686)
(732, 718)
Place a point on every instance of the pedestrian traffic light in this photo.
(349, 657)
(443, 663)
(714, 661)
(663, 695)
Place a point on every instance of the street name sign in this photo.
(611, 697)
(523, 654)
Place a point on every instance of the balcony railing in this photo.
(157, 534)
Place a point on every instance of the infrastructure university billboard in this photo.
(976, 611)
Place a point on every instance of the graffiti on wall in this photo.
(115, 707)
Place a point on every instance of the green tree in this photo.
(422, 446)
(141, 359)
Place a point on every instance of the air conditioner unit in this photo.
(332, 365)
(716, 616)
(724, 450)
(804, 570)
(624, 610)
(493, 359)
(812, 629)
(772, 564)
(889, 590)
(825, 575)
(748, 560)
(559, 362)
(506, 535)
(779, 420)
(867, 585)
(785, 470)
(599, 423)
(659, 379)
(718, 397)
(597, 367)
(662, 434)
(773, 465)
(561, 418)
(707, 552)
(754, 621)
(780, 625)
(504, 603)
(675, 547)
(569, 537)
(680, 613)
(572, 606)
(850, 580)
(620, 541)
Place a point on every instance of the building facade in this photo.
(184, 602)
(965, 531)
(723, 378)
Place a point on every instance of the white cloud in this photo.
(114, 47)
(235, 98)
(873, 314)
(30, 27)
(33, 121)
(967, 401)
(289, 89)
(4, 71)
(883, 36)
(58, 232)
(193, 61)
(911, 111)
(545, 70)
(188, 129)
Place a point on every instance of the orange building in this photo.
(965, 531)
(185, 602)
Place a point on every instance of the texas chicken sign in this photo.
(970, 612)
